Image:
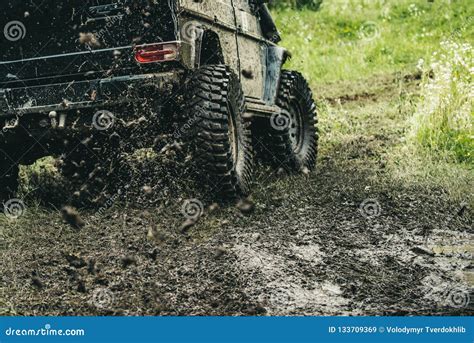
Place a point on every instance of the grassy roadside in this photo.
(350, 40)
(351, 50)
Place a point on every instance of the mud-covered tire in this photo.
(291, 137)
(8, 177)
(221, 135)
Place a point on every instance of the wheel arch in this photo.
(204, 49)
(276, 57)
(210, 50)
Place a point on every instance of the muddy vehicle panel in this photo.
(78, 39)
(211, 23)
(68, 50)
(253, 48)
(70, 66)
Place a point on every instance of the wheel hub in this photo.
(296, 129)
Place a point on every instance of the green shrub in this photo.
(444, 120)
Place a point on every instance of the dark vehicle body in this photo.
(74, 50)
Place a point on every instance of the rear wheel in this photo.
(221, 135)
(291, 137)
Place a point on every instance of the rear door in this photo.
(251, 49)
(47, 40)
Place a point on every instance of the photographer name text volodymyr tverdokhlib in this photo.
(426, 329)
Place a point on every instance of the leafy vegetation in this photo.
(444, 120)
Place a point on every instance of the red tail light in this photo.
(153, 53)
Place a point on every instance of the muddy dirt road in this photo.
(346, 240)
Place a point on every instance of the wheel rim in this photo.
(296, 130)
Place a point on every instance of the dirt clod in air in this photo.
(246, 206)
(75, 261)
(220, 251)
(127, 261)
(71, 216)
(36, 282)
(214, 208)
(89, 39)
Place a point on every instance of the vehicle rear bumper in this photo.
(89, 94)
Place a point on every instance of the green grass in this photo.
(357, 46)
(348, 40)
(444, 122)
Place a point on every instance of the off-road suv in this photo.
(207, 72)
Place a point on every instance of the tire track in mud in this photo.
(327, 258)
(283, 280)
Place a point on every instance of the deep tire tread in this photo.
(294, 85)
(211, 89)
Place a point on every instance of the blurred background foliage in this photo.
(299, 4)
